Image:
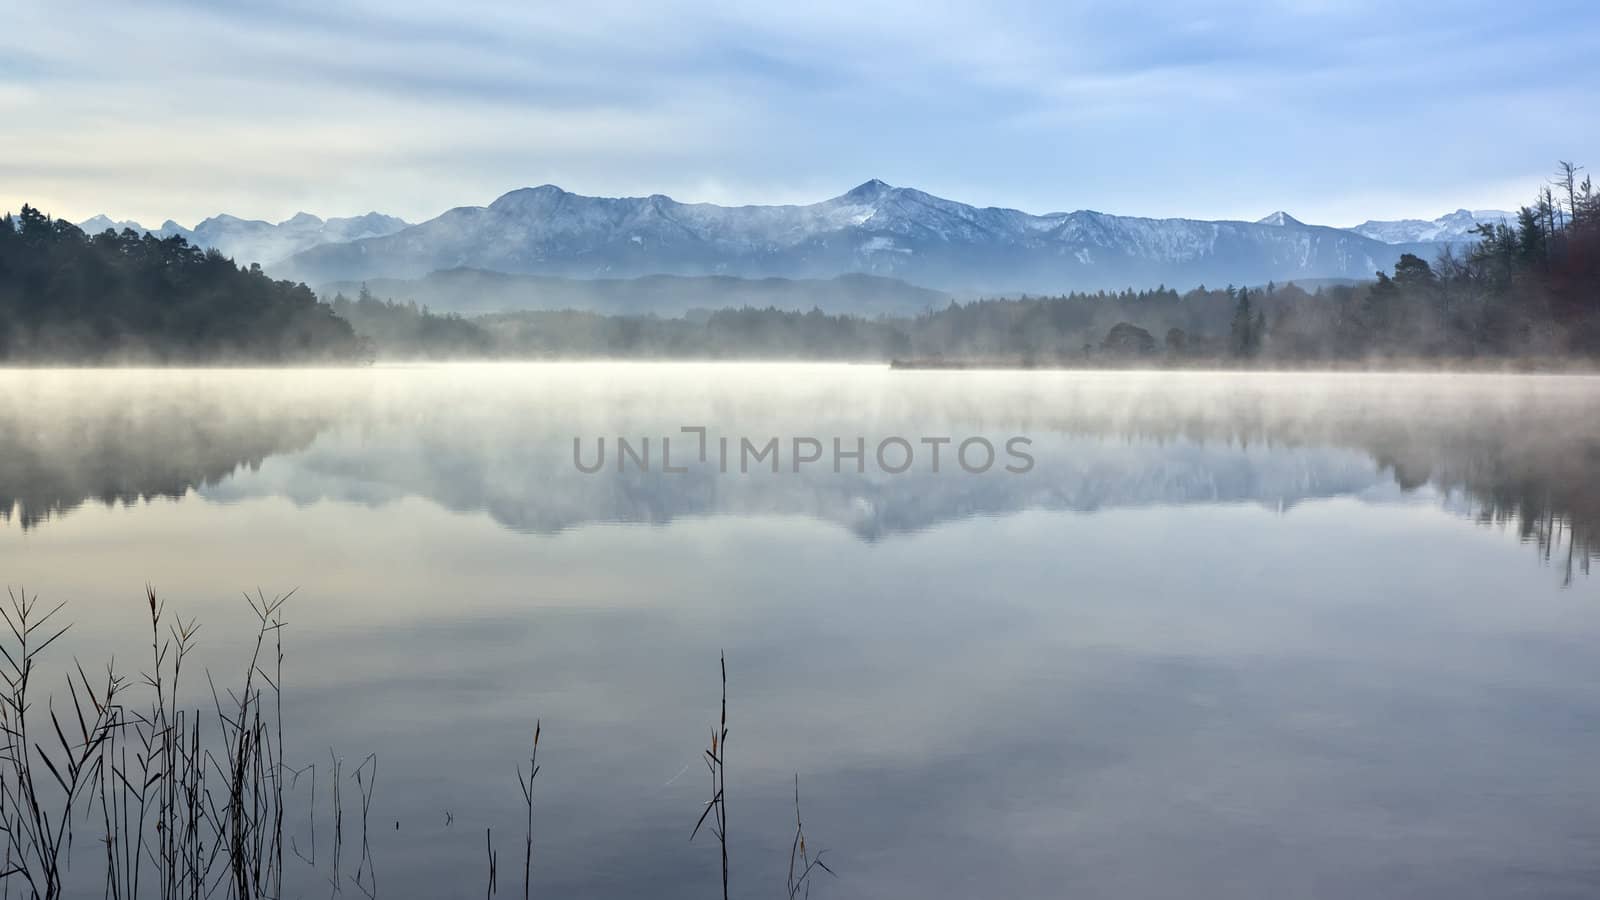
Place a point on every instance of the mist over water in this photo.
(1284, 633)
(499, 439)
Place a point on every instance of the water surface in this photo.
(1231, 635)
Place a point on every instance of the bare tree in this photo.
(1567, 179)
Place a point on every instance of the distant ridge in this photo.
(257, 241)
(1456, 226)
(874, 228)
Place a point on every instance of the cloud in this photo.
(184, 109)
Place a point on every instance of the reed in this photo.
(801, 863)
(189, 803)
(527, 797)
(366, 782)
(717, 806)
(36, 819)
(494, 862)
(181, 814)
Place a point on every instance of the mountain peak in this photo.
(301, 218)
(1279, 219)
(868, 190)
(103, 222)
(226, 220)
(522, 197)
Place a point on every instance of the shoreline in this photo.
(1464, 366)
(1373, 366)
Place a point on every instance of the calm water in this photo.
(1232, 635)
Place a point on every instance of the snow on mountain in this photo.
(1281, 219)
(1456, 226)
(874, 228)
(256, 241)
(101, 223)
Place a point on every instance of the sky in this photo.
(1334, 110)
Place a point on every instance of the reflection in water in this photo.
(1509, 451)
(1179, 693)
(112, 436)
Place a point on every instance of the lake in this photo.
(1223, 635)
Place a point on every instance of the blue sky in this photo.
(1335, 110)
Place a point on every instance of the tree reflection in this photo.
(1511, 453)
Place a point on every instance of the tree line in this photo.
(406, 331)
(66, 296)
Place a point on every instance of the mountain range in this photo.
(873, 229)
(257, 241)
(1456, 226)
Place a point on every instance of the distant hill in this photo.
(255, 241)
(475, 291)
(874, 229)
(1450, 228)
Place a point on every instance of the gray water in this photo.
(1231, 635)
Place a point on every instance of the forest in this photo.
(1522, 291)
(403, 331)
(68, 297)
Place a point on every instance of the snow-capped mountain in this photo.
(1456, 226)
(1281, 219)
(256, 241)
(101, 223)
(875, 229)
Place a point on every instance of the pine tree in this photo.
(1243, 323)
(1532, 243)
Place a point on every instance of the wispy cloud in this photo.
(1336, 111)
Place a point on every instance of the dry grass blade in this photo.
(801, 863)
(527, 797)
(716, 809)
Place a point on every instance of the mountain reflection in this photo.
(1515, 452)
